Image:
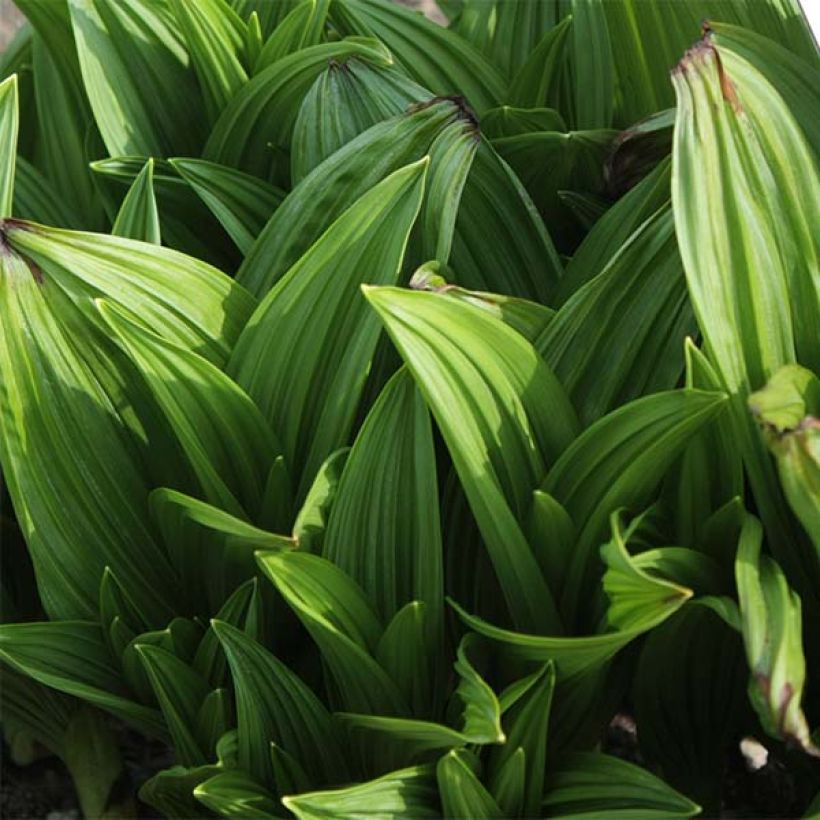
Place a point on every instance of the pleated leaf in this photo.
(9, 127)
(273, 705)
(215, 38)
(304, 355)
(36, 200)
(242, 203)
(224, 436)
(513, 419)
(340, 619)
(235, 794)
(588, 783)
(462, 793)
(437, 58)
(335, 185)
(345, 100)
(263, 112)
(407, 793)
(304, 26)
(138, 217)
(138, 79)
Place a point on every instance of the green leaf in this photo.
(740, 160)
(236, 794)
(312, 519)
(407, 793)
(434, 56)
(138, 217)
(587, 784)
(9, 126)
(635, 595)
(224, 436)
(510, 121)
(304, 355)
(71, 656)
(242, 203)
(619, 461)
(772, 634)
(388, 495)
(180, 692)
(263, 112)
(215, 37)
(341, 621)
(481, 711)
(504, 418)
(462, 794)
(536, 81)
(212, 550)
(552, 534)
(301, 28)
(335, 185)
(135, 70)
(688, 699)
(621, 335)
(508, 786)
(273, 705)
(170, 791)
(346, 99)
(35, 199)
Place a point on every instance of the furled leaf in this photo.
(273, 705)
(136, 74)
(407, 793)
(513, 419)
(302, 27)
(436, 57)
(170, 791)
(312, 519)
(772, 634)
(536, 82)
(588, 783)
(138, 217)
(263, 112)
(9, 127)
(304, 355)
(335, 185)
(345, 100)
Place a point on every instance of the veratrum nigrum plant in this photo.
(386, 405)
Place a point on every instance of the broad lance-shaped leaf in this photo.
(773, 635)
(242, 203)
(9, 126)
(138, 217)
(324, 195)
(503, 415)
(345, 100)
(215, 36)
(235, 794)
(263, 112)
(586, 783)
(621, 335)
(405, 795)
(788, 410)
(229, 444)
(339, 617)
(740, 166)
(304, 355)
(136, 74)
(436, 57)
(638, 602)
(274, 705)
(36, 200)
(536, 81)
(185, 301)
(212, 550)
(616, 462)
(71, 657)
(388, 496)
(462, 793)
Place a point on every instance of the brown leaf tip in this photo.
(705, 49)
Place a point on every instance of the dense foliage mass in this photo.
(385, 405)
